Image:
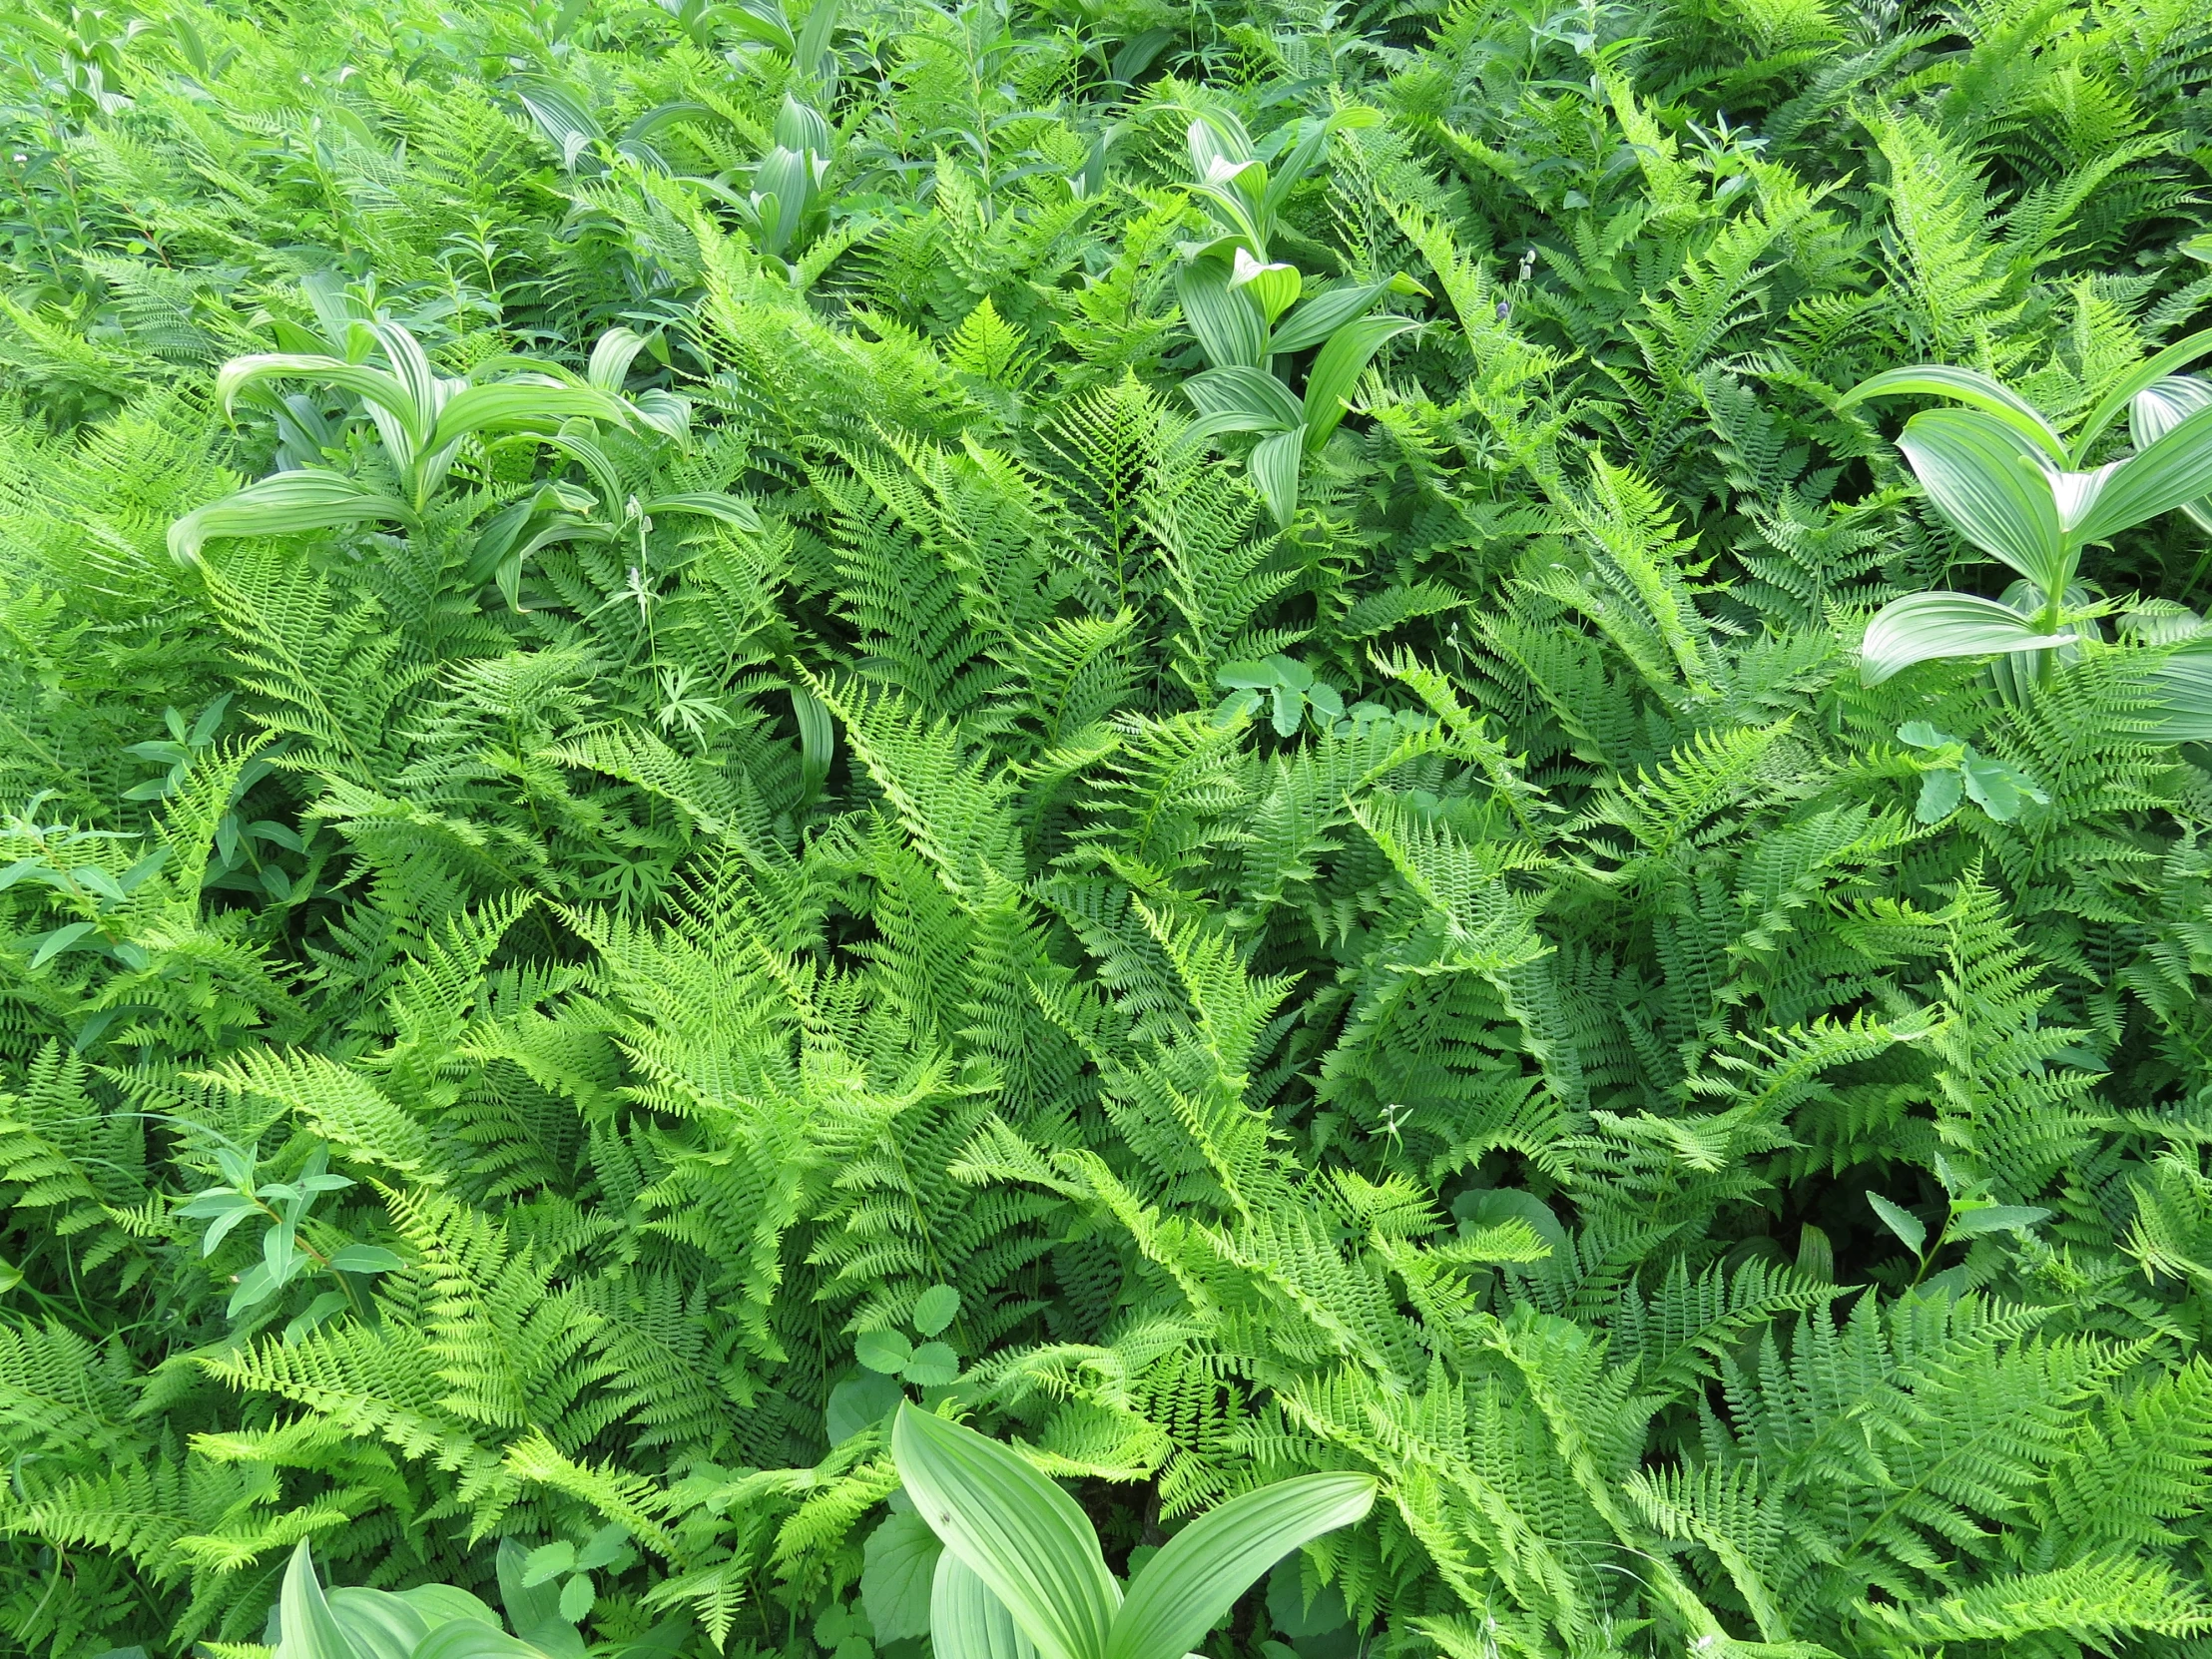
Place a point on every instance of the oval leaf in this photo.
(883, 1350)
(1015, 1530)
(1982, 477)
(966, 1621)
(1921, 627)
(1189, 1587)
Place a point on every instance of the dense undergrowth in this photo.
(1227, 820)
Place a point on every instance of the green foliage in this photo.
(1441, 762)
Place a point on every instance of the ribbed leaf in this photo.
(1252, 397)
(2184, 683)
(1924, 626)
(379, 1624)
(1189, 1587)
(1983, 476)
(1323, 313)
(308, 499)
(310, 1629)
(2147, 374)
(1338, 368)
(466, 1639)
(1970, 387)
(1273, 467)
(1019, 1533)
(2172, 473)
(373, 384)
(443, 1603)
(1226, 323)
(520, 404)
(966, 1621)
(611, 358)
(730, 509)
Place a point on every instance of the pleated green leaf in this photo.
(1189, 1587)
(1968, 387)
(2173, 472)
(1338, 368)
(281, 504)
(1921, 627)
(310, 1629)
(1984, 478)
(1015, 1530)
(966, 1621)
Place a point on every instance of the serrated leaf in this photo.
(1940, 794)
(934, 1365)
(1901, 1222)
(883, 1350)
(898, 1569)
(547, 1562)
(1998, 1217)
(939, 1305)
(577, 1598)
(858, 1403)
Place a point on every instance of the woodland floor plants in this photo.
(2000, 473)
(1059, 830)
(1019, 1553)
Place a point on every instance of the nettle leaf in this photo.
(1940, 794)
(898, 1576)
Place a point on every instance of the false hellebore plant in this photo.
(1250, 310)
(1021, 1576)
(422, 420)
(2000, 474)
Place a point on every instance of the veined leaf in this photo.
(1252, 397)
(513, 404)
(1968, 387)
(2146, 374)
(1015, 1530)
(1924, 626)
(1227, 323)
(1189, 1587)
(282, 505)
(966, 1621)
(1273, 467)
(2184, 683)
(374, 385)
(311, 1630)
(1988, 482)
(1320, 314)
(2173, 472)
(1338, 368)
